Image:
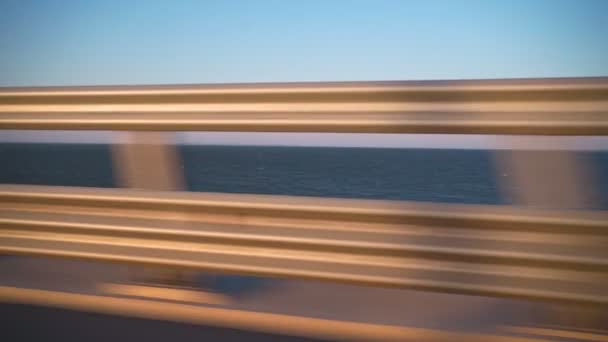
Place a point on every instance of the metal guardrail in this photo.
(451, 248)
(487, 250)
(543, 106)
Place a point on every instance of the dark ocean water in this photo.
(455, 176)
(426, 175)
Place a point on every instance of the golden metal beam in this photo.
(545, 106)
(483, 250)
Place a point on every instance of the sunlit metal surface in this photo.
(543, 106)
(449, 248)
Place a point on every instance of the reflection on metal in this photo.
(543, 106)
(164, 293)
(481, 250)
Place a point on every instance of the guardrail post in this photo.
(148, 160)
(545, 179)
(556, 179)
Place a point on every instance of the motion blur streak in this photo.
(288, 325)
(547, 251)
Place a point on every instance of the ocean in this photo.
(437, 175)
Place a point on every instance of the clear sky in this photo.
(52, 42)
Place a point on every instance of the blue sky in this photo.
(136, 42)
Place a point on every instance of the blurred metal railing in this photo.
(546, 107)
(504, 251)
(451, 248)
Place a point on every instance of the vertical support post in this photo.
(545, 179)
(148, 160)
(552, 179)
